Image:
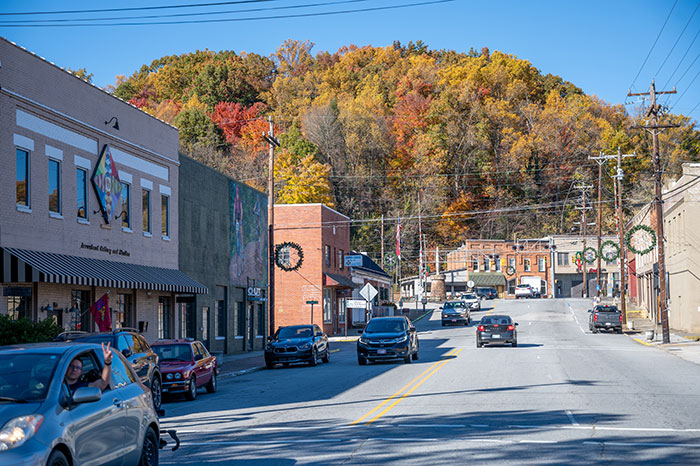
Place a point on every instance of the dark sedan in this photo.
(455, 312)
(388, 338)
(496, 329)
(297, 343)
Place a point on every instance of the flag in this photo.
(398, 239)
(100, 312)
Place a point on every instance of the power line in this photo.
(679, 38)
(174, 15)
(690, 47)
(653, 45)
(141, 8)
(229, 20)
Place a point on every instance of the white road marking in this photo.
(576, 319)
(571, 418)
(644, 444)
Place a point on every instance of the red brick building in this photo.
(324, 237)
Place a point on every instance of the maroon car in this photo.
(186, 366)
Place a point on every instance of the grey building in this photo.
(223, 244)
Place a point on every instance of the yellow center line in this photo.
(442, 363)
(449, 353)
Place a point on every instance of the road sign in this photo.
(356, 303)
(470, 283)
(353, 261)
(312, 301)
(368, 292)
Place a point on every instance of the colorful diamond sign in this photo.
(108, 187)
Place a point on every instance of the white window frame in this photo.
(53, 213)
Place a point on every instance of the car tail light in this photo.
(620, 318)
(595, 317)
(511, 327)
(481, 328)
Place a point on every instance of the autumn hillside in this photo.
(491, 145)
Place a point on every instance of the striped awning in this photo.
(23, 265)
(487, 278)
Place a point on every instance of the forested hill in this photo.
(490, 144)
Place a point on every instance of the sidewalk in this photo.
(683, 345)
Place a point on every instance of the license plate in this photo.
(454, 320)
(608, 324)
(496, 335)
(381, 351)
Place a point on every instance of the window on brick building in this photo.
(526, 265)
(22, 178)
(146, 206)
(81, 192)
(341, 258)
(542, 264)
(54, 186)
(327, 255)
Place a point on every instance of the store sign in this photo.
(255, 294)
(105, 249)
(353, 261)
(108, 187)
(356, 303)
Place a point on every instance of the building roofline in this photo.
(314, 204)
(25, 50)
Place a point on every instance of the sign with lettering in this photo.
(353, 261)
(108, 187)
(105, 249)
(356, 303)
(255, 294)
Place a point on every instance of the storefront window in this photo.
(240, 317)
(124, 317)
(22, 177)
(18, 307)
(221, 318)
(126, 206)
(327, 305)
(164, 317)
(260, 311)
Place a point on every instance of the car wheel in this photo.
(515, 343)
(57, 459)
(594, 330)
(619, 330)
(407, 359)
(211, 386)
(443, 324)
(157, 393)
(479, 344)
(269, 364)
(361, 361)
(149, 451)
(415, 356)
(191, 392)
(314, 357)
(327, 357)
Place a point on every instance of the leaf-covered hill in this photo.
(489, 144)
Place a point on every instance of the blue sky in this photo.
(599, 46)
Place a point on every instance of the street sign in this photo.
(470, 283)
(353, 261)
(356, 303)
(312, 302)
(368, 292)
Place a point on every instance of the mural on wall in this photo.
(248, 235)
(108, 187)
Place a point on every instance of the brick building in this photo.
(324, 237)
(88, 202)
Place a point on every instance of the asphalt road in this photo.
(563, 396)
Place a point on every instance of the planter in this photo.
(650, 335)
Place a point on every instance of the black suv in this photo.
(388, 338)
(135, 348)
(486, 292)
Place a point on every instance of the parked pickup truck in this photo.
(605, 317)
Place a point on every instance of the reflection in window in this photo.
(22, 177)
(54, 186)
(146, 206)
(126, 205)
(81, 177)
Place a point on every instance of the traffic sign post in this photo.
(312, 302)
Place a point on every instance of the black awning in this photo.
(23, 265)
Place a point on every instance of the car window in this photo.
(121, 375)
(145, 347)
(129, 341)
(180, 352)
(122, 344)
(195, 350)
(136, 345)
(606, 309)
(202, 349)
(485, 321)
(26, 376)
(385, 325)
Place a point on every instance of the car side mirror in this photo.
(440, 307)
(127, 352)
(516, 324)
(87, 395)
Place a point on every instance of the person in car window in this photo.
(75, 370)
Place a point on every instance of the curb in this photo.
(242, 372)
(423, 315)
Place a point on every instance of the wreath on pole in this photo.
(633, 231)
(510, 270)
(590, 255)
(609, 250)
(287, 266)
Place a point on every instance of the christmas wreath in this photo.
(609, 250)
(287, 266)
(590, 255)
(631, 233)
(510, 270)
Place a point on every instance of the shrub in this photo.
(14, 332)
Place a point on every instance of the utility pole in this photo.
(382, 242)
(617, 185)
(270, 138)
(653, 113)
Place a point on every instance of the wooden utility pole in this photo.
(270, 138)
(382, 260)
(617, 184)
(583, 188)
(653, 113)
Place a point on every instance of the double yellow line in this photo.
(409, 387)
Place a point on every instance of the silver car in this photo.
(41, 422)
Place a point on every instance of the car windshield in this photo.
(607, 309)
(26, 377)
(386, 326)
(454, 304)
(295, 332)
(180, 352)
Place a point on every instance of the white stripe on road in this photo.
(575, 318)
(571, 418)
(643, 444)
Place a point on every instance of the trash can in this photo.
(650, 335)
